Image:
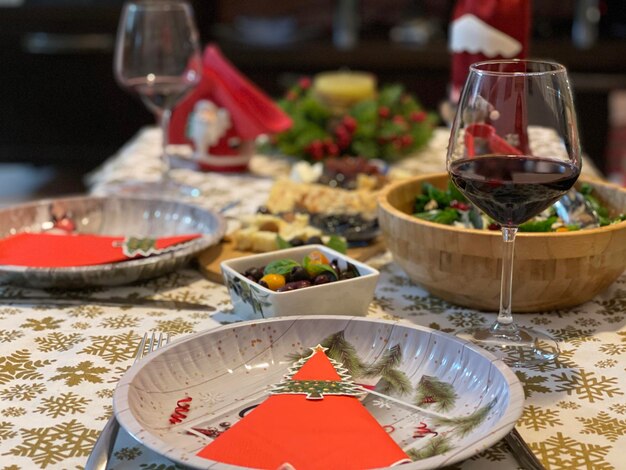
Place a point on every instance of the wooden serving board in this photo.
(209, 260)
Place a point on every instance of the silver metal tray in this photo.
(115, 217)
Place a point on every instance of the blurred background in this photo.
(63, 113)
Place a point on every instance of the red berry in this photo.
(418, 116)
(494, 226)
(332, 149)
(343, 142)
(349, 123)
(462, 206)
(341, 131)
(399, 119)
(304, 83)
(407, 140)
(384, 112)
(316, 149)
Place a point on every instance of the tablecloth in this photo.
(62, 352)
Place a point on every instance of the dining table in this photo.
(62, 351)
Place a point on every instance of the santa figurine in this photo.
(224, 115)
(485, 30)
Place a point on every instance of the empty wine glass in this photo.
(157, 56)
(514, 150)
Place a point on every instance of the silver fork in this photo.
(101, 452)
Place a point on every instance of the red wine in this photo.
(512, 189)
(162, 92)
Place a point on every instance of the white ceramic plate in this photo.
(112, 216)
(228, 369)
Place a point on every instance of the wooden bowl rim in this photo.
(384, 204)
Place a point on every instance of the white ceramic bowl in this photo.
(228, 369)
(346, 297)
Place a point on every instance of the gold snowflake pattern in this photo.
(564, 453)
(80, 325)
(422, 305)
(19, 365)
(6, 431)
(584, 322)
(606, 363)
(495, 453)
(108, 412)
(84, 371)
(51, 445)
(13, 411)
(66, 403)
(186, 297)
(22, 392)
(604, 425)
(613, 349)
(532, 384)
(128, 453)
(536, 418)
(57, 341)
(175, 326)
(118, 322)
(200, 316)
(575, 336)
(9, 311)
(466, 319)
(568, 405)
(46, 323)
(156, 313)
(8, 336)
(540, 321)
(619, 408)
(586, 385)
(105, 393)
(113, 349)
(87, 311)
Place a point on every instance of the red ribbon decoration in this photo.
(181, 410)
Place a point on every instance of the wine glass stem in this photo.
(166, 114)
(505, 316)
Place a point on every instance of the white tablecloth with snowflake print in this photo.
(62, 352)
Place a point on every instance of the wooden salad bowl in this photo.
(463, 266)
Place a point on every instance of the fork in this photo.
(101, 452)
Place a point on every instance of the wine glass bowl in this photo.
(157, 56)
(497, 161)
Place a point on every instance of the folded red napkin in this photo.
(45, 250)
(313, 420)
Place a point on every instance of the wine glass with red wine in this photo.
(157, 56)
(514, 150)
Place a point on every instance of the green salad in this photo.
(450, 207)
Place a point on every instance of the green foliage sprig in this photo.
(389, 126)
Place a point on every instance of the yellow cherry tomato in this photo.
(317, 257)
(313, 261)
(273, 281)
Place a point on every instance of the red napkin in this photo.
(331, 431)
(45, 250)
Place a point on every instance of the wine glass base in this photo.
(518, 348)
(161, 189)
